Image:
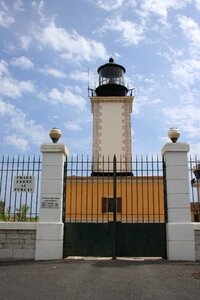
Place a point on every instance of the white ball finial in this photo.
(55, 134)
(174, 134)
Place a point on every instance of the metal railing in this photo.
(194, 189)
(135, 187)
(19, 188)
(117, 80)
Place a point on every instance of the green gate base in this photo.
(115, 239)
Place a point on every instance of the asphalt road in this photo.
(99, 279)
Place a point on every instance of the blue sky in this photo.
(47, 48)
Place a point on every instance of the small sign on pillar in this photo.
(24, 183)
(50, 202)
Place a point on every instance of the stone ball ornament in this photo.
(55, 134)
(174, 134)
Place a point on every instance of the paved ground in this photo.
(99, 279)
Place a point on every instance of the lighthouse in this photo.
(111, 103)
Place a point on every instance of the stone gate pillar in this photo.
(49, 236)
(180, 230)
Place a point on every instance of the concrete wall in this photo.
(17, 240)
(197, 239)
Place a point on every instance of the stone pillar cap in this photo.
(54, 148)
(175, 147)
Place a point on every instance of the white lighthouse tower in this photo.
(111, 107)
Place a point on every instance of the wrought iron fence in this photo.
(94, 187)
(194, 176)
(19, 188)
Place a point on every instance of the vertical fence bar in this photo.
(3, 200)
(21, 196)
(71, 190)
(81, 187)
(15, 202)
(11, 184)
(191, 174)
(31, 208)
(126, 190)
(76, 203)
(147, 181)
(158, 183)
(121, 188)
(108, 185)
(137, 210)
(114, 207)
(64, 190)
(6, 183)
(165, 190)
(132, 200)
(87, 167)
(97, 184)
(153, 188)
(26, 207)
(38, 182)
(92, 190)
(103, 192)
(2, 164)
(142, 166)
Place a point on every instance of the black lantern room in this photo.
(111, 80)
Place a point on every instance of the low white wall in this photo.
(17, 240)
(197, 239)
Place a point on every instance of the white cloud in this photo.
(83, 76)
(190, 97)
(25, 41)
(185, 117)
(77, 125)
(186, 72)
(78, 75)
(38, 5)
(18, 142)
(71, 45)
(18, 5)
(5, 108)
(72, 126)
(11, 87)
(6, 18)
(109, 4)
(171, 54)
(197, 3)
(190, 29)
(24, 132)
(160, 8)
(66, 97)
(22, 62)
(3, 68)
(144, 101)
(54, 72)
(132, 33)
